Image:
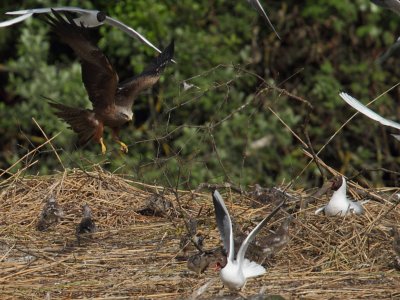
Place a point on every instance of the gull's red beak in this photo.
(217, 267)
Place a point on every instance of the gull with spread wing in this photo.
(369, 113)
(236, 271)
(86, 17)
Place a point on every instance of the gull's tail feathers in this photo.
(252, 269)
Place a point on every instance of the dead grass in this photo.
(134, 256)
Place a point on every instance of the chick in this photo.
(51, 214)
(87, 226)
(274, 242)
(199, 262)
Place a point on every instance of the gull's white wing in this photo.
(47, 10)
(366, 111)
(16, 20)
(133, 33)
(321, 209)
(257, 6)
(88, 18)
(243, 248)
(224, 224)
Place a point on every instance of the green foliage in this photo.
(229, 53)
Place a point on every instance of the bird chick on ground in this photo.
(396, 245)
(158, 206)
(199, 262)
(51, 214)
(274, 242)
(192, 237)
(87, 226)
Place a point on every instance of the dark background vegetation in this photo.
(241, 71)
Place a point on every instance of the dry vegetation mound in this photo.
(135, 255)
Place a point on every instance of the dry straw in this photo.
(135, 256)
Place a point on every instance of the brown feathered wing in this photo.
(98, 75)
(129, 89)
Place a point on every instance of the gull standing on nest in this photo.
(236, 271)
(369, 113)
(339, 204)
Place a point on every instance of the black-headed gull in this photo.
(87, 17)
(369, 113)
(339, 204)
(236, 271)
(257, 6)
(51, 214)
(393, 5)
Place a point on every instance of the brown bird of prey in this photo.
(112, 101)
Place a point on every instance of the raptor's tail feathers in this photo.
(80, 120)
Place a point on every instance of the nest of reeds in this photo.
(136, 252)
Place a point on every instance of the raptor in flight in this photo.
(112, 101)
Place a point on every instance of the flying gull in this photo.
(86, 17)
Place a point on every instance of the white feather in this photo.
(366, 111)
(258, 7)
(252, 269)
(88, 17)
(15, 20)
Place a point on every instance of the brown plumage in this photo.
(87, 226)
(193, 236)
(274, 242)
(51, 214)
(112, 101)
(199, 262)
(396, 241)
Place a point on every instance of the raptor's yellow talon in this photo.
(124, 147)
(103, 147)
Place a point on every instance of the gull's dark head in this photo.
(337, 182)
(101, 16)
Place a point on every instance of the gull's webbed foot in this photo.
(103, 147)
